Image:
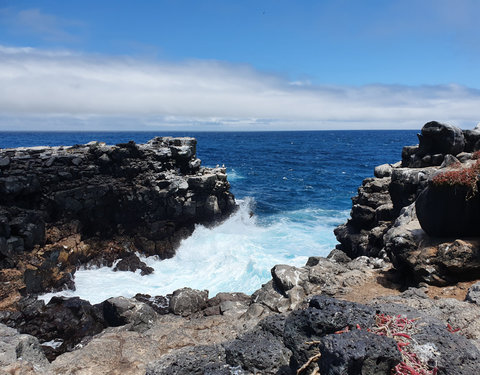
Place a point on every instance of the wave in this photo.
(236, 255)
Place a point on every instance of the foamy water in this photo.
(236, 256)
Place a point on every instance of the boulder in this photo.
(325, 315)
(384, 170)
(473, 294)
(187, 301)
(358, 352)
(449, 210)
(472, 138)
(287, 277)
(133, 263)
(258, 351)
(20, 347)
(120, 311)
(438, 138)
(60, 325)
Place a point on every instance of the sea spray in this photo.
(236, 255)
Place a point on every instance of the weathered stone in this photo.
(358, 352)
(287, 277)
(437, 138)
(119, 311)
(449, 161)
(258, 351)
(384, 170)
(15, 347)
(473, 294)
(324, 316)
(187, 301)
(336, 255)
(133, 263)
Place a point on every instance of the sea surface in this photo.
(297, 184)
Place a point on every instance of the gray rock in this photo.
(358, 352)
(187, 301)
(258, 351)
(120, 311)
(287, 277)
(384, 170)
(324, 316)
(20, 347)
(449, 161)
(200, 360)
(473, 294)
(4, 161)
(336, 255)
(437, 138)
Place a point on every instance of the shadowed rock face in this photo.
(65, 206)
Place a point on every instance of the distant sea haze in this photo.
(297, 184)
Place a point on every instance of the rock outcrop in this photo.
(61, 207)
(422, 213)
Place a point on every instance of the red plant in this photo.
(467, 176)
(476, 155)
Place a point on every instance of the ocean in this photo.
(298, 186)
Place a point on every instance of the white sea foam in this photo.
(233, 175)
(234, 256)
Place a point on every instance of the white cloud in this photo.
(64, 90)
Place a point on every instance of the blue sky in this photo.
(238, 65)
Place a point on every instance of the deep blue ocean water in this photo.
(298, 184)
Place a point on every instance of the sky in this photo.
(238, 65)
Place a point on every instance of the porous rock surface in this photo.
(61, 207)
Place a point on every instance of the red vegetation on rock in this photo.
(401, 329)
(476, 155)
(467, 176)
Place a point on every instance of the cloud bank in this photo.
(63, 90)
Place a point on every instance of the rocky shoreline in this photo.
(395, 296)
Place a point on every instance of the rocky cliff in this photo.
(422, 213)
(61, 207)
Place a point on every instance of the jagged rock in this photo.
(449, 161)
(384, 170)
(270, 296)
(336, 255)
(228, 304)
(287, 277)
(118, 311)
(452, 352)
(471, 139)
(187, 301)
(195, 360)
(358, 352)
(473, 294)
(159, 304)
(133, 263)
(63, 321)
(15, 347)
(406, 184)
(325, 315)
(437, 138)
(258, 351)
(123, 199)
